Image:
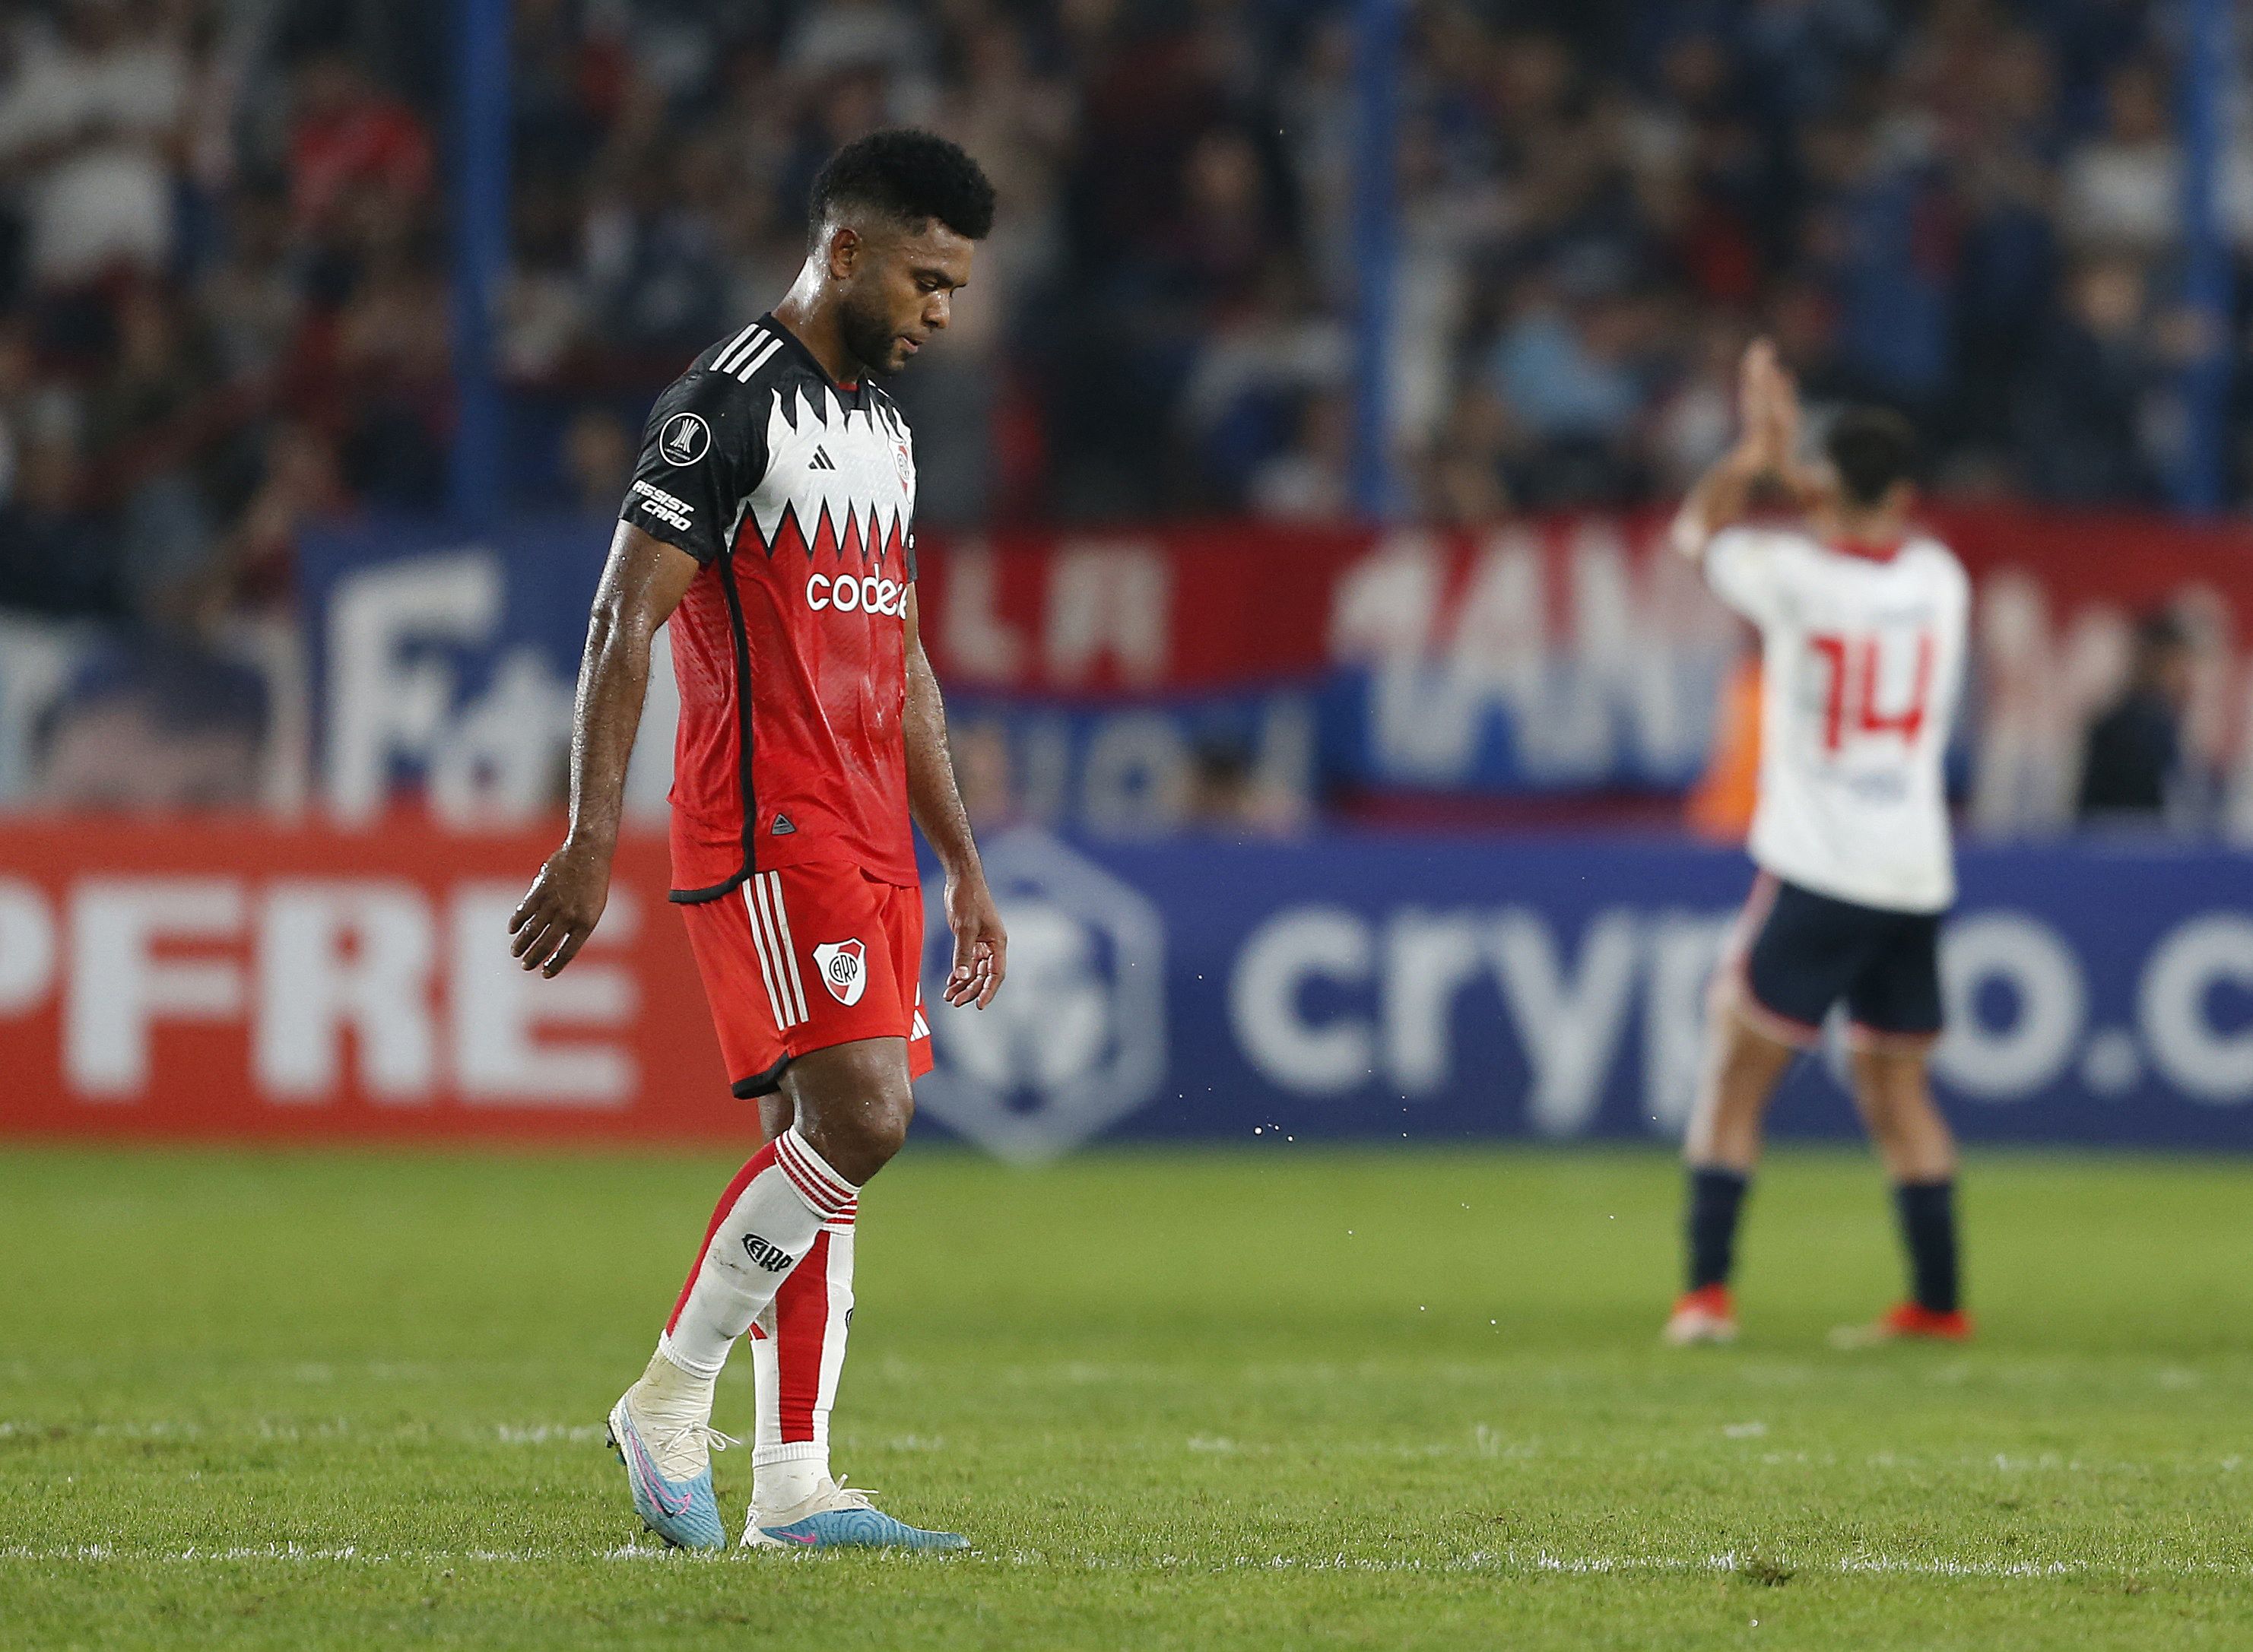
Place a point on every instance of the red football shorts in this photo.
(808, 957)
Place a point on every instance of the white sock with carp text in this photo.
(768, 1219)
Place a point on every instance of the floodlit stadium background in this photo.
(1352, 764)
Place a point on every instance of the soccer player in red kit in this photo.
(770, 523)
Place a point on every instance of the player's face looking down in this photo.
(894, 287)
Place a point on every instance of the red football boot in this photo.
(1703, 1315)
(1906, 1323)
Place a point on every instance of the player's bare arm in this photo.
(982, 946)
(642, 584)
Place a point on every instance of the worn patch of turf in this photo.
(1292, 1398)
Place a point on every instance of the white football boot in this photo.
(661, 1429)
(834, 1516)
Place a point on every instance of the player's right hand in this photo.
(560, 909)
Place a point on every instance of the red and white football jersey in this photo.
(798, 495)
(1862, 665)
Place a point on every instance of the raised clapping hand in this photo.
(1768, 404)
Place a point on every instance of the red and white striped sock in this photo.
(769, 1217)
(798, 1352)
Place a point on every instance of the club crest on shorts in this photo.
(843, 966)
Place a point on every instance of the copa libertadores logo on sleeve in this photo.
(686, 439)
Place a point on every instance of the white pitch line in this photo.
(267, 1428)
(1478, 1561)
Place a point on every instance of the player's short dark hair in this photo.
(1871, 449)
(909, 176)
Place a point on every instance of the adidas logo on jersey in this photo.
(835, 473)
(782, 828)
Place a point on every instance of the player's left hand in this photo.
(981, 945)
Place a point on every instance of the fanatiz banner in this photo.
(244, 981)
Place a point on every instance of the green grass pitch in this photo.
(1280, 1398)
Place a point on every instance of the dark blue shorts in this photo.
(1797, 953)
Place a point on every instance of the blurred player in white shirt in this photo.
(1862, 623)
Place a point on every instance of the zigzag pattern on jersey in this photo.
(860, 503)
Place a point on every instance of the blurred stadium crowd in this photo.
(224, 287)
